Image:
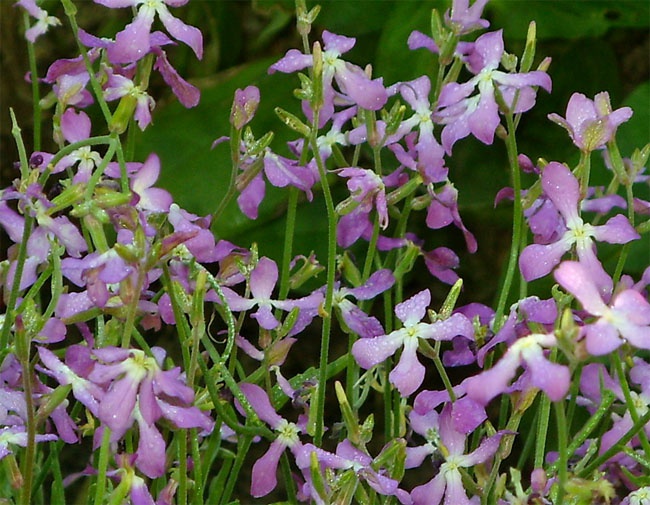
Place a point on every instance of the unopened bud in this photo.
(244, 106)
(123, 114)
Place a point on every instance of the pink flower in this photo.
(626, 318)
(408, 375)
(591, 123)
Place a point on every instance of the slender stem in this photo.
(543, 415)
(181, 442)
(289, 233)
(102, 465)
(329, 293)
(562, 455)
(517, 221)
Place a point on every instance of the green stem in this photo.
(329, 294)
(181, 442)
(102, 465)
(517, 222)
(562, 454)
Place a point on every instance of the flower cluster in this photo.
(172, 363)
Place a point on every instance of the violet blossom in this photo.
(358, 321)
(563, 189)
(263, 279)
(264, 478)
(409, 373)
(591, 123)
(137, 389)
(132, 43)
(463, 114)
(43, 20)
(448, 484)
(625, 318)
(352, 81)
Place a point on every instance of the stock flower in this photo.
(132, 43)
(550, 377)
(264, 478)
(43, 19)
(119, 86)
(443, 211)
(463, 114)
(430, 154)
(591, 123)
(358, 321)
(367, 192)
(626, 318)
(408, 375)
(279, 171)
(350, 458)
(263, 279)
(244, 106)
(448, 482)
(563, 189)
(16, 435)
(137, 389)
(465, 19)
(354, 84)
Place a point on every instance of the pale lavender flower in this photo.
(87, 392)
(443, 211)
(429, 161)
(137, 389)
(119, 86)
(244, 106)
(465, 19)
(352, 81)
(526, 351)
(263, 279)
(358, 321)
(463, 113)
(409, 373)
(626, 318)
(43, 20)
(133, 42)
(563, 189)
(16, 435)
(448, 484)
(149, 198)
(264, 478)
(591, 123)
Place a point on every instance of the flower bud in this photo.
(123, 114)
(244, 106)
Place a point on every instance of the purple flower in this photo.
(408, 375)
(465, 19)
(137, 389)
(448, 482)
(263, 279)
(43, 19)
(119, 86)
(244, 106)
(429, 160)
(264, 478)
(550, 377)
(133, 42)
(280, 172)
(562, 188)
(591, 123)
(443, 211)
(463, 114)
(358, 321)
(16, 435)
(352, 81)
(626, 318)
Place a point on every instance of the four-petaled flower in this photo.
(408, 375)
